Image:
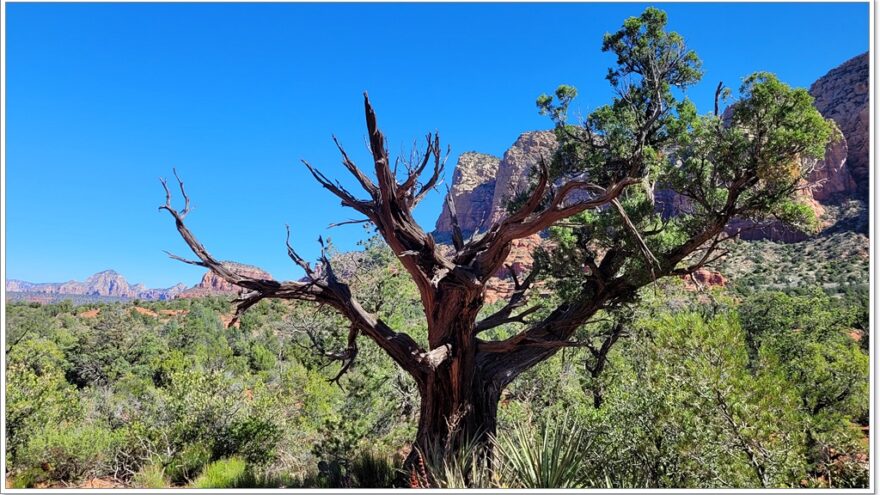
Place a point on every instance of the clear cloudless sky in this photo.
(102, 99)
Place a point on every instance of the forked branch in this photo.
(491, 250)
(389, 206)
(518, 299)
(365, 181)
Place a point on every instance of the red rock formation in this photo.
(521, 259)
(483, 185)
(778, 231)
(212, 285)
(831, 179)
(473, 187)
(521, 256)
(843, 95)
(703, 278)
(513, 171)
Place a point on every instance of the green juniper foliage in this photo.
(747, 163)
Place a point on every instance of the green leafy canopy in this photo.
(698, 171)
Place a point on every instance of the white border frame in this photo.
(872, 313)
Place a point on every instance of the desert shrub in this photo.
(680, 406)
(181, 393)
(253, 438)
(225, 473)
(370, 469)
(441, 466)
(37, 393)
(261, 359)
(27, 478)
(71, 452)
(188, 462)
(150, 476)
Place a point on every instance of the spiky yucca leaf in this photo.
(465, 467)
(546, 457)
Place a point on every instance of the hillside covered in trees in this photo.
(705, 388)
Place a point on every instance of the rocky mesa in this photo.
(842, 95)
(213, 285)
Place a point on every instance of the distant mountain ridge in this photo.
(107, 283)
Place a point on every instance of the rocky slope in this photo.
(107, 283)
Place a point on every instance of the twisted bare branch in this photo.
(365, 181)
(324, 288)
(518, 299)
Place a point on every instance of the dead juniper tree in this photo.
(602, 180)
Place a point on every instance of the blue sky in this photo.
(102, 99)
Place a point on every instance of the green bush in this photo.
(37, 394)
(225, 473)
(372, 470)
(27, 478)
(254, 438)
(188, 462)
(151, 476)
(71, 453)
(261, 359)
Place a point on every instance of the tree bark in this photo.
(455, 414)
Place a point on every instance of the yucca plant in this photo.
(467, 470)
(544, 457)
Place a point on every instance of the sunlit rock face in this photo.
(843, 95)
(515, 166)
(830, 179)
(483, 185)
(211, 284)
(473, 187)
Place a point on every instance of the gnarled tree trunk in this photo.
(460, 376)
(454, 414)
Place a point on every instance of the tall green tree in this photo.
(603, 180)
